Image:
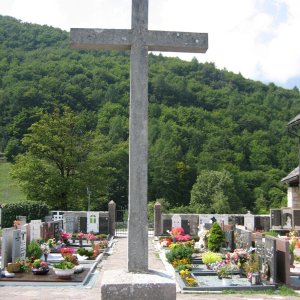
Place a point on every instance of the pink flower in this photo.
(91, 237)
(80, 235)
(65, 235)
(43, 264)
(67, 250)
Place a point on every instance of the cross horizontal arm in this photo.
(173, 41)
(121, 39)
(111, 39)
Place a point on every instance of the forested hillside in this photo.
(201, 120)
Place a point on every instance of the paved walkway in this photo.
(117, 260)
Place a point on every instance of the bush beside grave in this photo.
(31, 209)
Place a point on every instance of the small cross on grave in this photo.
(139, 40)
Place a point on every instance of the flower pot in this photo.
(64, 273)
(226, 281)
(40, 271)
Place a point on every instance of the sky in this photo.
(258, 38)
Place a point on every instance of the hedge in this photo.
(31, 209)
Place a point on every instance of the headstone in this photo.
(16, 245)
(35, 229)
(92, 221)
(287, 218)
(249, 221)
(167, 226)
(69, 222)
(23, 242)
(139, 40)
(103, 223)
(176, 221)
(57, 227)
(270, 257)
(186, 226)
(260, 249)
(57, 215)
(82, 224)
(275, 218)
(229, 239)
(157, 219)
(6, 250)
(296, 219)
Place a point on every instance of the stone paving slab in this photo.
(117, 260)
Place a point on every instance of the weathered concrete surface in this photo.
(133, 286)
(139, 40)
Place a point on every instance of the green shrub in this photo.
(216, 237)
(211, 257)
(180, 252)
(34, 250)
(271, 233)
(31, 209)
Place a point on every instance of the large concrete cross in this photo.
(139, 40)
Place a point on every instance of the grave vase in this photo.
(226, 281)
(292, 258)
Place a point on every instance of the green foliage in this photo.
(215, 238)
(31, 209)
(200, 118)
(10, 190)
(214, 190)
(211, 257)
(179, 252)
(64, 265)
(33, 250)
(271, 233)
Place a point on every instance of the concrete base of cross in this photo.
(122, 285)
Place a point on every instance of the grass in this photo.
(9, 188)
(282, 290)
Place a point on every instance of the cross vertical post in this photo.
(138, 40)
(138, 141)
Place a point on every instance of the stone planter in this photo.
(40, 271)
(64, 274)
(226, 281)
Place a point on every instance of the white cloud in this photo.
(258, 38)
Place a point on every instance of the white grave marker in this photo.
(92, 221)
(176, 221)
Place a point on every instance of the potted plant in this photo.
(64, 269)
(252, 269)
(209, 258)
(224, 271)
(39, 267)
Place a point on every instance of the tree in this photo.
(214, 189)
(53, 168)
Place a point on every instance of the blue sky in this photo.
(258, 38)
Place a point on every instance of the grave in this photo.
(139, 40)
(35, 229)
(275, 218)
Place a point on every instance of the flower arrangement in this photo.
(89, 253)
(166, 242)
(188, 278)
(177, 233)
(103, 244)
(224, 269)
(239, 257)
(40, 264)
(45, 248)
(80, 235)
(51, 243)
(211, 257)
(67, 251)
(24, 265)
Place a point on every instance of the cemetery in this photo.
(239, 257)
(65, 251)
